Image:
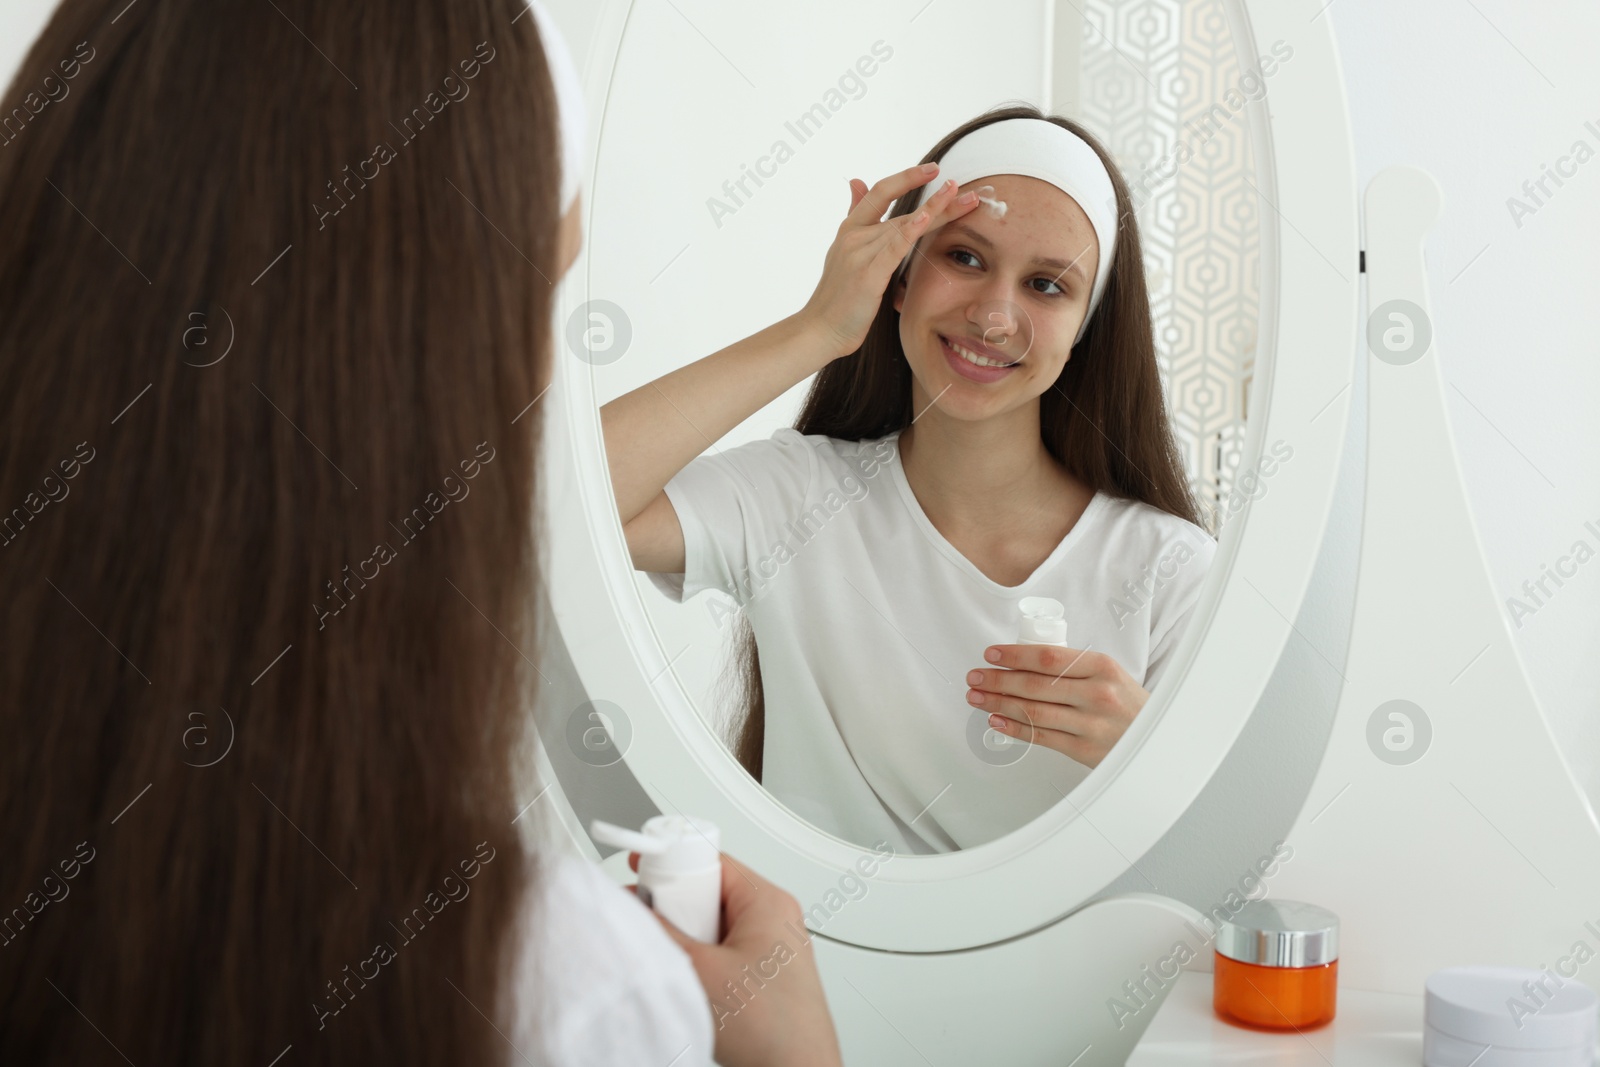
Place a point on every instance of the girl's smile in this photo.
(974, 360)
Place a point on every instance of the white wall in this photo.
(21, 22)
(1483, 95)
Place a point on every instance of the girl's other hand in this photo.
(781, 1020)
(868, 248)
(1079, 703)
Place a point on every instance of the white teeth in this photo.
(973, 357)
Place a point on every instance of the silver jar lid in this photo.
(1280, 933)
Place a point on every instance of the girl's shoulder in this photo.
(599, 981)
(1132, 521)
(837, 455)
(842, 447)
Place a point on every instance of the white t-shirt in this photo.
(601, 984)
(867, 621)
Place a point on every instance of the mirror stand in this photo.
(1444, 826)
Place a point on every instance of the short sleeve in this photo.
(601, 984)
(1192, 554)
(735, 508)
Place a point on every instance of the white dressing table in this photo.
(1370, 1030)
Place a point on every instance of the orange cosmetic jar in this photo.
(1277, 966)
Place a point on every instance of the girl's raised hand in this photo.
(868, 247)
(1079, 703)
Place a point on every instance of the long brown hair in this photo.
(274, 298)
(1104, 419)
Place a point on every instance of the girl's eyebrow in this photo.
(1053, 264)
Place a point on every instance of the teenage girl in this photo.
(986, 424)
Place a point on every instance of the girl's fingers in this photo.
(871, 207)
(1053, 660)
(1025, 714)
(1055, 688)
(903, 231)
(858, 189)
(741, 889)
(1070, 745)
(944, 205)
(939, 196)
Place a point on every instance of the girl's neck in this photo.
(991, 474)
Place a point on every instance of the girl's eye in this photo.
(1056, 291)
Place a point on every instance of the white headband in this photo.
(1039, 149)
(569, 101)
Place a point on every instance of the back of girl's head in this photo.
(273, 305)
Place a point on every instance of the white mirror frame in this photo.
(1005, 888)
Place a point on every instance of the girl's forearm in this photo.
(653, 432)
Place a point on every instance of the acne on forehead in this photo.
(1020, 191)
(996, 206)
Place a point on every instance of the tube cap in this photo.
(1280, 933)
(1044, 621)
(668, 844)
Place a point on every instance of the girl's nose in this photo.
(1004, 325)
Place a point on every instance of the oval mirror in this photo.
(722, 137)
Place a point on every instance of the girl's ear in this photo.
(899, 284)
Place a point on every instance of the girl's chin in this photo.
(962, 400)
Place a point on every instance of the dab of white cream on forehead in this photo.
(986, 197)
